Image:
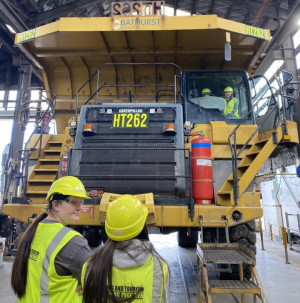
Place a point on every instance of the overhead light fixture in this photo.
(12, 31)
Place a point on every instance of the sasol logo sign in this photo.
(137, 8)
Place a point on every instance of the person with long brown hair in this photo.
(48, 263)
(127, 268)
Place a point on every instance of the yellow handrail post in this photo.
(271, 234)
(284, 240)
(261, 235)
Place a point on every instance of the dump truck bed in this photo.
(71, 49)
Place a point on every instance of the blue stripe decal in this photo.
(205, 145)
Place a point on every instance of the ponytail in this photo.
(19, 269)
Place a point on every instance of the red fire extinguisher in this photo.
(64, 165)
(202, 178)
(46, 118)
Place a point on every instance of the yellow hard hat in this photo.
(206, 91)
(125, 218)
(228, 89)
(67, 186)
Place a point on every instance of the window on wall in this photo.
(6, 123)
(298, 60)
(11, 102)
(5, 138)
(296, 39)
(275, 66)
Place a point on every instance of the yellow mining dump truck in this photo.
(132, 118)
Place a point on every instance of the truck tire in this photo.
(5, 226)
(187, 240)
(244, 234)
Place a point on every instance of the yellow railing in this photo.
(285, 237)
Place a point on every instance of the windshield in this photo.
(216, 96)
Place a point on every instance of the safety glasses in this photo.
(73, 202)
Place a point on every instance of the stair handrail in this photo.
(41, 125)
(273, 105)
(26, 153)
(97, 75)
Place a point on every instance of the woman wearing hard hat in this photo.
(48, 263)
(127, 268)
(232, 104)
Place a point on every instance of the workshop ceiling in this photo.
(22, 15)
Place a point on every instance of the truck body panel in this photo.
(129, 104)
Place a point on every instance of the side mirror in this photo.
(227, 49)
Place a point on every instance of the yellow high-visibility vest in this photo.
(44, 285)
(232, 107)
(145, 282)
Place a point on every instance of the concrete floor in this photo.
(280, 280)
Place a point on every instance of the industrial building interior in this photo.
(278, 181)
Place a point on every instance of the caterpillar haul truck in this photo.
(131, 118)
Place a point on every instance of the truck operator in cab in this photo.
(232, 103)
(206, 92)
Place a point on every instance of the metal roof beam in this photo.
(270, 10)
(175, 6)
(230, 9)
(9, 16)
(61, 11)
(193, 8)
(33, 4)
(289, 26)
(7, 45)
(211, 7)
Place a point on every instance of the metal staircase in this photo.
(45, 170)
(249, 166)
(41, 147)
(273, 128)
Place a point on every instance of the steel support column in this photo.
(17, 136)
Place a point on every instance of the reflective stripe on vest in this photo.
(157, 283)
(44, 277)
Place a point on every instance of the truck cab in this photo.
(203, 109)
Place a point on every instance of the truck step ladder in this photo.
(45, 171)
(226, 253)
